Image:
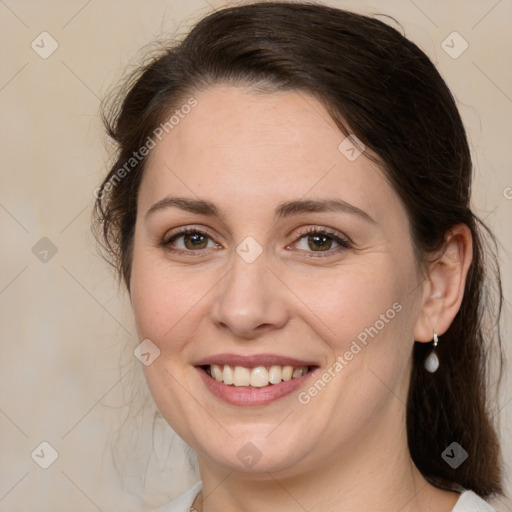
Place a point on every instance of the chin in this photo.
(255, 452)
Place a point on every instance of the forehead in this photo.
(239, 146)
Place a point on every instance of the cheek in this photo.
(365, 316)
(353, 302)
(164, 299)
(166, 307)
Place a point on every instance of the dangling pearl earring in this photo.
(432, 361)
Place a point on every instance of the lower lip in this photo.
(246, 395)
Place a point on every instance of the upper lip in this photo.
(251, 361)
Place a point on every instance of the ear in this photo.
(444, 284)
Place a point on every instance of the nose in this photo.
(250, 300)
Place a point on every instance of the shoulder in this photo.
(183, 502)
(471, 502)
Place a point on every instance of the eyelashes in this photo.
(320, 236)
(194, 236)
(194, 242)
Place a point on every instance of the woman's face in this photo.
(298, 254)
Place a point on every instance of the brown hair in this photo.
(381, 85)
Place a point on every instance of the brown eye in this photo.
(195, 241)
(189, 240)
(321, 241)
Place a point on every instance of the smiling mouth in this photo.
(256, 377)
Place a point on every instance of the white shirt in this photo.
(467, 502)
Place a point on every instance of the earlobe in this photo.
(445, 284)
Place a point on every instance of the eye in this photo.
(322, 241)
(313, 240)
(189, 240)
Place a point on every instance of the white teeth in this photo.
(227, 375)
(242, 376)
(216, 372)
(275, 375)
(257, 377)
(287, 372)
(297, 373)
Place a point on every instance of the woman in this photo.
(290, 213)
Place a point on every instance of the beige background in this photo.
(66, 364)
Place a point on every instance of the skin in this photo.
(346, 449)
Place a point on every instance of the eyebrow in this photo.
(284, 210)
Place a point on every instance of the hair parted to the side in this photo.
(376, 84)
